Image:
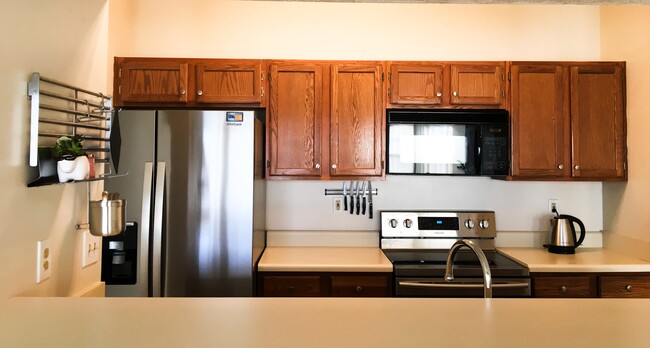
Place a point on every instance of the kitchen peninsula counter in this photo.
(323, 322)
(584, 260)
(324, 259)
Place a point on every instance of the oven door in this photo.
(460, 287)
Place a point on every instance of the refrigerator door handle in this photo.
(158, 252)
(145, 222)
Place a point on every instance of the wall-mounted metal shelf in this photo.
(59, 109)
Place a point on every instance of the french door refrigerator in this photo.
(195, 187)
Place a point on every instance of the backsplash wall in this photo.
(519, 206)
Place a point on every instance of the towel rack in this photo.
(60, 109)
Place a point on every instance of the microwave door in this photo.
(424, 148)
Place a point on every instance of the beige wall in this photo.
(624, 36)
(64, 40)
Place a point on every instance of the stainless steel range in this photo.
(418, 243)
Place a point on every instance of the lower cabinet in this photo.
(591, 285)
(324, 284)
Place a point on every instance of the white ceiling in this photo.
(559, 2)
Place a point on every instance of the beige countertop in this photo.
(324, 259)
(584, 260)
(323, 322)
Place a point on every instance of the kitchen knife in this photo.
(345, 197)
(363, 203)
(369, 200)
(358, 199)
(351, 197)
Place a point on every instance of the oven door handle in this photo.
(508, 285)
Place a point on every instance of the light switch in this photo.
(90, 248)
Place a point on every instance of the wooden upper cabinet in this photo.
(477, 84)
(598, 121)
(160, 81)
(413, 83)
(447, 84)
(356, 121)
(229, 81)
(294, 118)
(540, 120)
(188, 82)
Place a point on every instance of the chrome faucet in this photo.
(487, 276)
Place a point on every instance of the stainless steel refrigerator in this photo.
(200, 210)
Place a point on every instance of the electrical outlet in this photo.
(43, 260)
(89, 249)
(337, 204)
(553, 203)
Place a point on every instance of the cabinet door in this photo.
(295, 115)
(598, 121)
(540, 122)
(479, 84)
(624, 286)
(356, 121)
(416, 84)
(229, 81)
(161, 81)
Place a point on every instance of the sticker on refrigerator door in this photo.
(234, 118)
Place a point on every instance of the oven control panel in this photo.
(441, 224)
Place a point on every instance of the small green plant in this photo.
(69, 148)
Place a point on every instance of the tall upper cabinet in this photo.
(568, 121)
(325, 119)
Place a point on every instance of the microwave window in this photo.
(431, 149)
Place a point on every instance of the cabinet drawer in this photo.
(283, 286)
(625, 286)
(566, 286)
(347, 286)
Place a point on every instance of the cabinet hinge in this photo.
(262, 77)
(389, 93)
(262, 92)
(119, 73)
(389, 76)
(503, 92)
(382, 164)
(509, 76)
(268, 163)
(269, 76)
(382, 76)
(503, 76)
(119, 90)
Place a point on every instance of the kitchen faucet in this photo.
(487, 277)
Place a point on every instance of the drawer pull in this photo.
(563, 288)
(358, 288)
(291, 288)
(628, 288)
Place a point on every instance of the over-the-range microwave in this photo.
(448, 142)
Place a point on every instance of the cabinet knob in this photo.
(334, 166)
(455, 94)
(577, 167)
(563, 288)
(439, 94)
(628, 288)
(358, 288)
(199, 92)
(317, 165)
(182, 91)
(561, 166)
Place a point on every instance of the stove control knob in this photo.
(469, 223)
(408, 223)
(393, 223)
(484, 223)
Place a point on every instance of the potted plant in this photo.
(72, 163)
